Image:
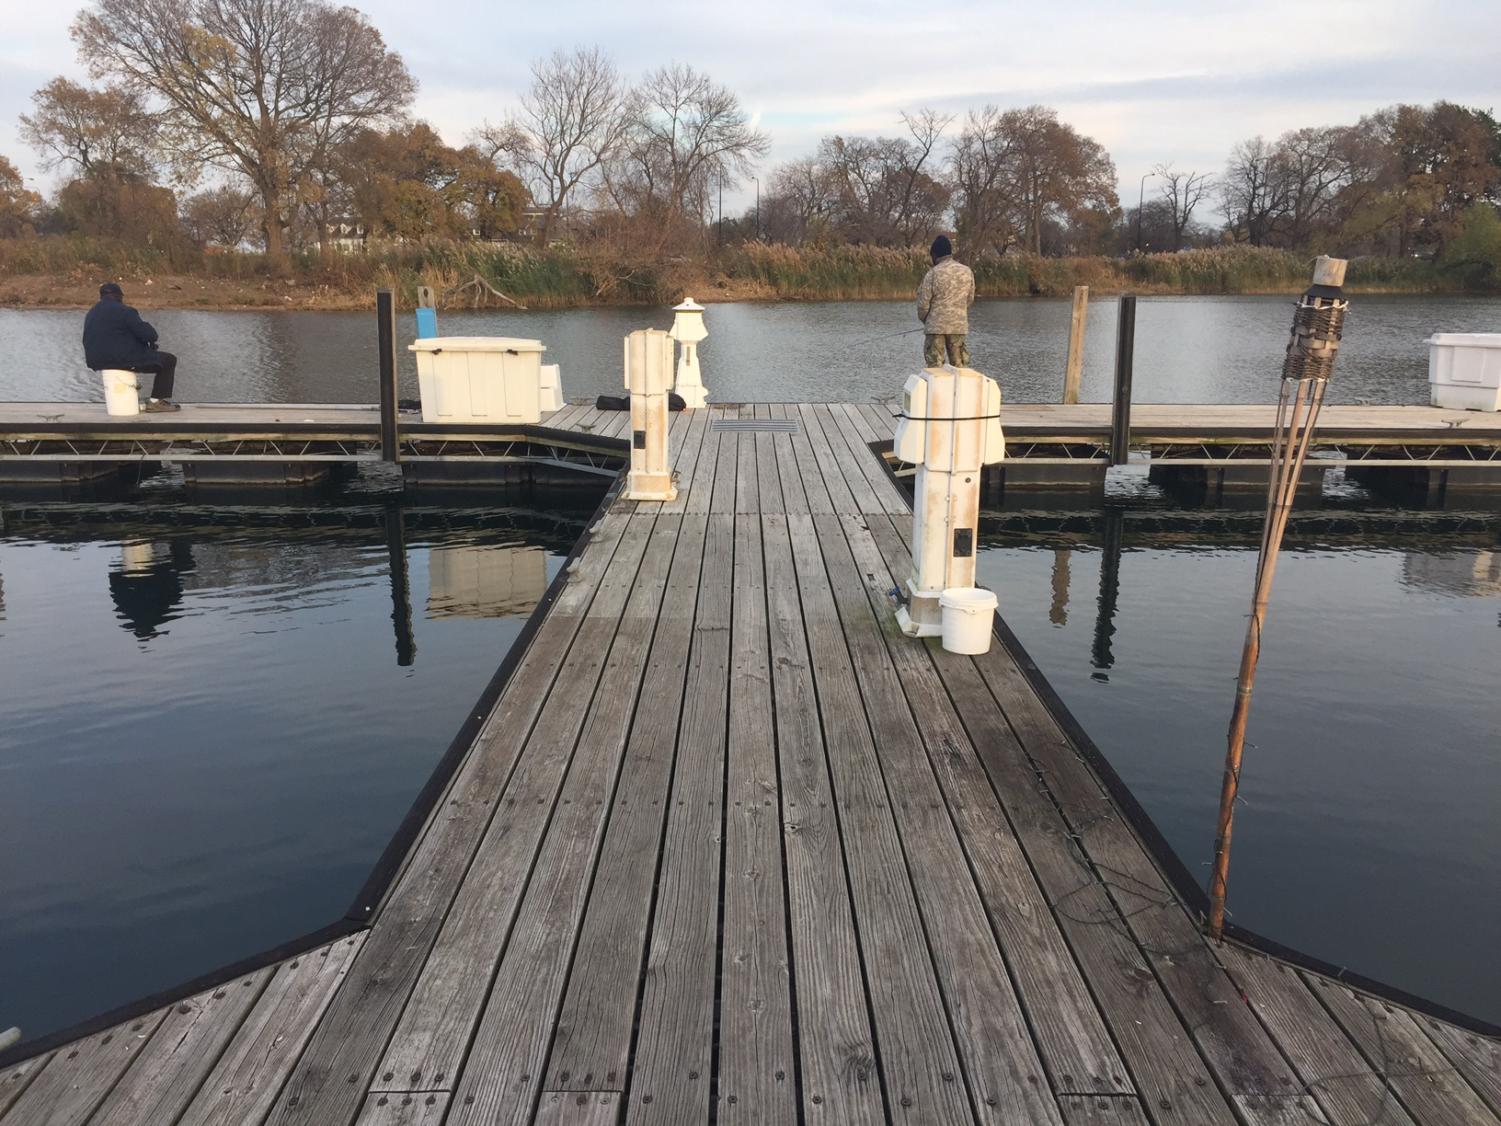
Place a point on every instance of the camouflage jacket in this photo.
(944, 297)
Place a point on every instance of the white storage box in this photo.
(479, 378)
(1464, 370)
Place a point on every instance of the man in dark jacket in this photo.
(114, 336)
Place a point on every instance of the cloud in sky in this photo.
(1151, 80)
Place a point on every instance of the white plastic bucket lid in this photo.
(475, 344)
(970, 599)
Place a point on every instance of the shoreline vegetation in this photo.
(66, 273)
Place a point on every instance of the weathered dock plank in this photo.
(1070, 1033)
(416, 1108)
(756, 1064)
(579, 1108)
(502, 1074)
(429, 1044)
(1429, 1087)
(1006, 1078)
(15, 1079)
(836, 1048)
(918, 1059)
(247, 1076)
(79, 1077)
(675, 1042)
(591, 1046)
(167, 1072)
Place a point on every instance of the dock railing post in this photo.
(1075, 370)
(1120, 406)
(385, 318)
(1318, 325)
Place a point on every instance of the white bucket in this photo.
(120, 389)
(967, 614)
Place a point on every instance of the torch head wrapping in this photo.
(1318, 324)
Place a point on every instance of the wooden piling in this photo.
(385, 319)
(1075, 370)
(1120, 407)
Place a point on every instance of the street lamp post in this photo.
(1141, 195)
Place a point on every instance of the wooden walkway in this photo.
(730, 849)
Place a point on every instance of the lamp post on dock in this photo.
(1318, 323)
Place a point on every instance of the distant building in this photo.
(347, 236)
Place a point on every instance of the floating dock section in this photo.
(728, 848)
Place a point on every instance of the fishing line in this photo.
(874, 339)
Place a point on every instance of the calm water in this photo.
(1371, 812)
(207, 734)
(1188, 349)
(211, 724)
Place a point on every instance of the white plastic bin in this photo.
(967, 615)
(1464, 370)
(120, 391)
(479, 378)
(551, 395)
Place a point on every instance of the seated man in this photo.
(114, 336)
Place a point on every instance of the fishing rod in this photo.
(887, 336)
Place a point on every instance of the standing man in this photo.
(943, 300)
(114, 336)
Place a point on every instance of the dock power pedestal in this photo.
(950, 427)
(648, 377)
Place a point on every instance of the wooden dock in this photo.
(730, 849)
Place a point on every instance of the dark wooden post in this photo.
(1120, 407)
(401, 587)
(385, 317)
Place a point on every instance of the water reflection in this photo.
(205, 737)
(1189, 349)
(1472, 575)
(146, 586)
(1369, 821)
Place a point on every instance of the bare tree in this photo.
(884, 193)
(1252, 192)
(690, 132)
(799, 200)
(573, 119)
(1182, 192)
(982, 160)
(263, 88)
(223, 216)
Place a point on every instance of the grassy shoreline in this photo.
(58, 273)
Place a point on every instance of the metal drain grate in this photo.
(755, 425)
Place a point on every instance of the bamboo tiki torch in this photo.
(1318, 321)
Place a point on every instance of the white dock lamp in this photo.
(688, 329)
(648, 376)
(950, 428)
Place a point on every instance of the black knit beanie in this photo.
(942, 248)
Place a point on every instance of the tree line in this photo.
(286, 123)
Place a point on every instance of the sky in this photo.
(1153, 82)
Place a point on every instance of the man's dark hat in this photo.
(942, 248)
(110, 289)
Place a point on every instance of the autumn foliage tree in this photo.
(261, 88)
(18, 205)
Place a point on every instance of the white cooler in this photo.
(479, 378)
(1464, 370)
